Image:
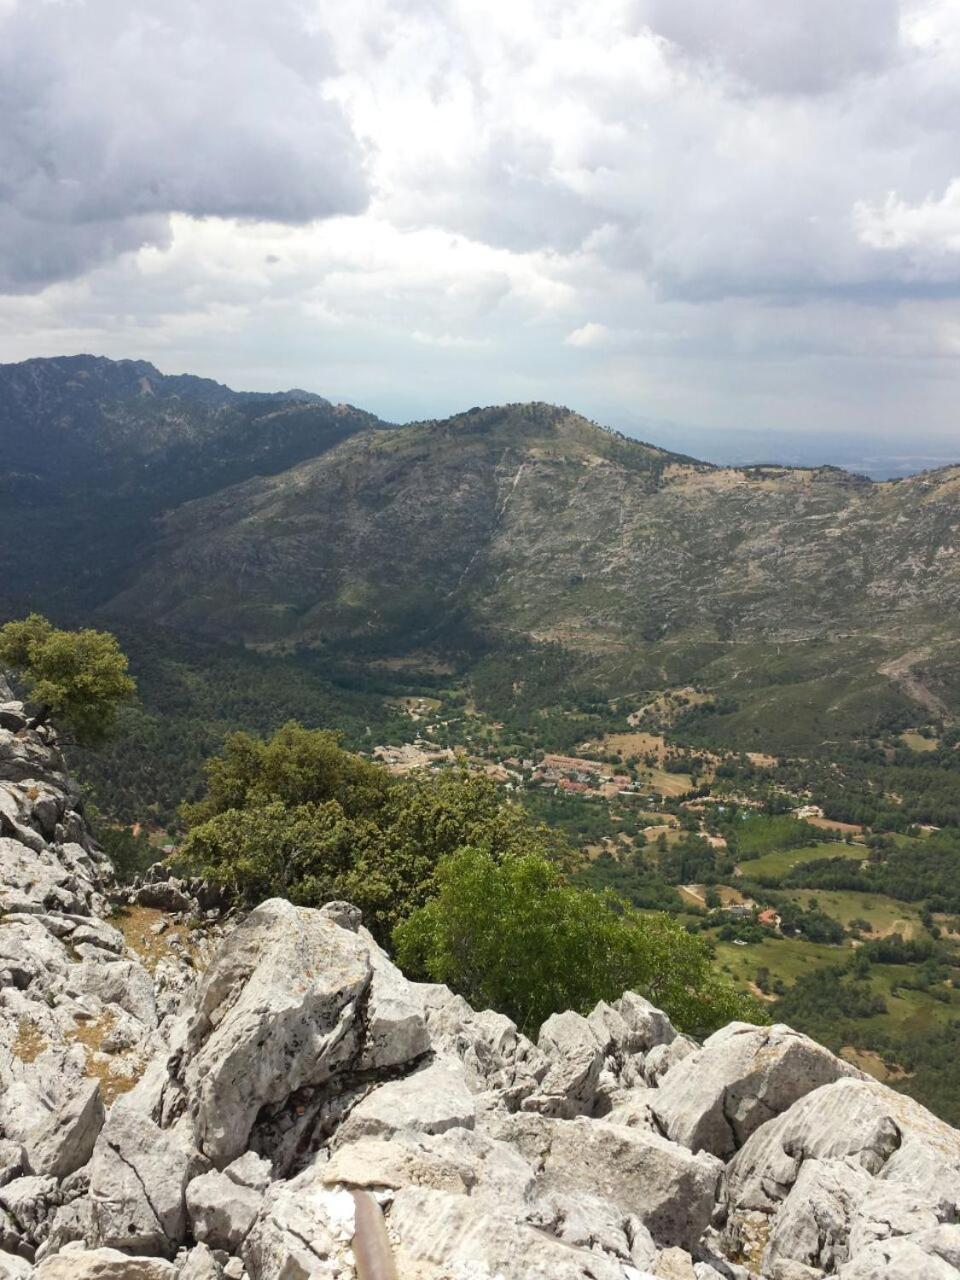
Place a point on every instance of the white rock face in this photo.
(302, 1066)
(431, 1100)
(64, 1142)
(851, 1166)
(138, 1177)
(103, 1264)
(714, 1099)
(277, 1011)
(221, 1211)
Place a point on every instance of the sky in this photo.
(730, 223)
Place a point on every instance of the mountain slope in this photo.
(538, 521)
(385, 532)
(91, 449)
(280, 521)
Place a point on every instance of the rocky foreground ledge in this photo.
(201, 1101)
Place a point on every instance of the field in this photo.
(629, 744)
(886, 915)
(666, 783)
(779, 863)
(786, 958)
(917, 742)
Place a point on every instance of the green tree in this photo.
(78, 678)
(300, 817)
(296, 766)
(513, 935)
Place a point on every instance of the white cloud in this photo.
(932, 226)
(590, 334)
(446, 200)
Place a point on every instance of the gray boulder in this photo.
(30, 1203)
(576, 1057)
(715, 1098)
(280, 1010)
(200, 1264)
(65, 1141)
(221, 1211)
(102, 1264)
(897, 1259)
(304, 1230)
(395, 1020)
(125, 983)
(138, 1177)
(668, 1188)
(849, 1167)
(663, 1057)
(499, 1062)
(431, 1100)
(439, 1235)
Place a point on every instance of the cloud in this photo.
(423, 203)
(117, 113)
(590, 334)
(792, 46)
(932, 226)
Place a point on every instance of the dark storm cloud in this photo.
(116, 113)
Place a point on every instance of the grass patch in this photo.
(117, 1075)
(778, 864)
(886, 915)
(29, 1043)
(137, 926)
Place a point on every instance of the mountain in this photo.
(528, 521)
(796, 594)
(92, 449)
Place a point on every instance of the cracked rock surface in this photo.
(200, 1104)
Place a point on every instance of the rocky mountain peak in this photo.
(230, 1100)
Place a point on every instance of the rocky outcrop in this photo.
(80, 1013)
(208, 1114)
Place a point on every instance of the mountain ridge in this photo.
(280, 523)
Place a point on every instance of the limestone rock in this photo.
(304, 1232)
(138, 1176)
(430, 1100)
(395, 1020)
(221, 1211)
(670, 1189)
(897, 1259)
(662, 1057)
(12, 1158)
(849, 1167)
(500, 1063)
(438, 1236)
(250, 1170)
(200, 1264)
(276, 1011)
(576, 1055)
(460, 1161)
(13, 1267)
(65, 1141)
(715, 1098)
(813, 1226)
(30, 1202)
(102, 1264)
(125, 983)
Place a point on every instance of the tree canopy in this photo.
(468, 888)
(298, 816)
(79, 678)
(515, 936)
